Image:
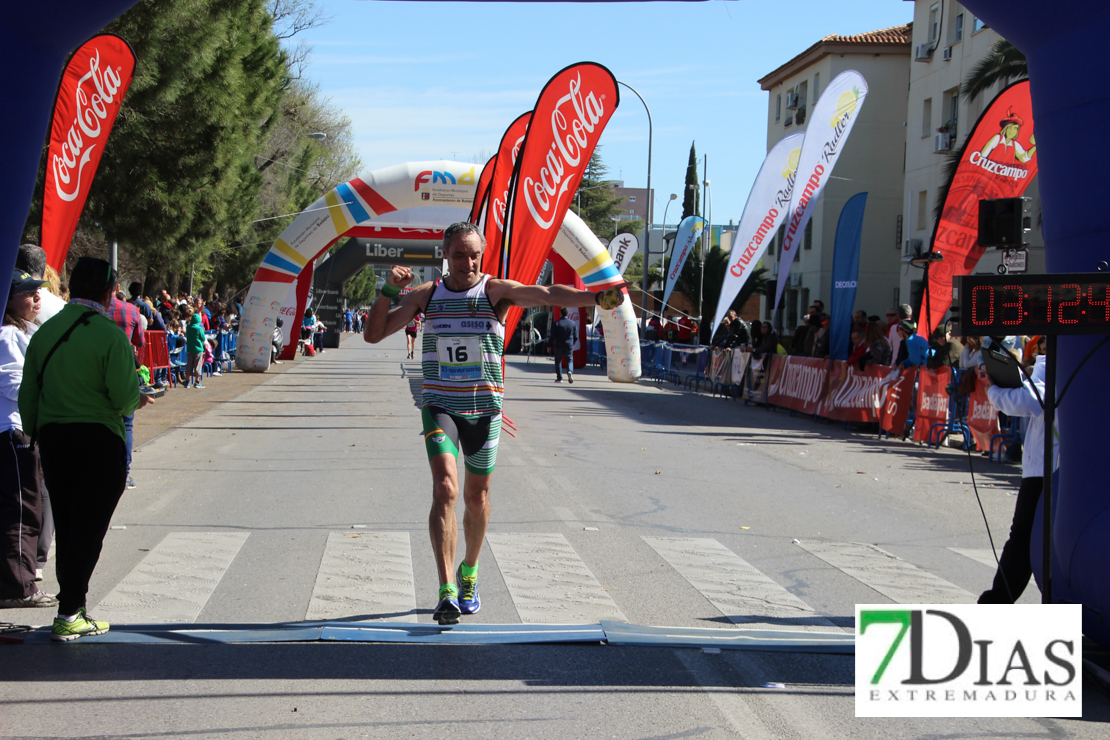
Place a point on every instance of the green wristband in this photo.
(389, 290)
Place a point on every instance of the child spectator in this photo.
(194, 346)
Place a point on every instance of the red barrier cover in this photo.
(854, 394)
(155, 353)
(982, 416)
(932, 402)
(896, 408)
(797, 383)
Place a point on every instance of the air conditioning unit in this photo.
(912, 248)
(947, 54)
(923, 53)
(942, 143)
(791, 100)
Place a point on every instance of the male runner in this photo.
(464, 340)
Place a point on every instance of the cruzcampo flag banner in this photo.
(999, 160)
(830, 124)
(570, 114)
(765, 210)
(845, 273)
(496, 194)
(89, 98)
(689, 231)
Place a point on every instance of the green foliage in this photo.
(631, 226)
(361, 289)
(1003, 64)
(689, 284)
(634, 273)
(691, 197)
(595, 201)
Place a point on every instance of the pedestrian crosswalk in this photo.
(368, 575)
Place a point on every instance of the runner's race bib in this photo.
(460, 358)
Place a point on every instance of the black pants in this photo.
(85, 466)
(20, 514)
(1014, 565)
(561, 351)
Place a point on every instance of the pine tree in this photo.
(691, 198)
(595, 201)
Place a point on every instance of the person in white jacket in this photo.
(1014, 565)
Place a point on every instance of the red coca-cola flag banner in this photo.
(999, 160)
(570, 114)
(982, 416)
(797, 383)
(896, 408)
(481, 192)
(89, 98)
(498, 189)
(932, 402)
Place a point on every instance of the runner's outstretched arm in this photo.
(528, 296)
(383, 320)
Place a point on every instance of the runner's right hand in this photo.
(400, 276)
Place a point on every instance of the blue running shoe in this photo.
(448, 610)
(469, 602)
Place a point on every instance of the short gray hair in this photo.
(462, 227)
(905, 311)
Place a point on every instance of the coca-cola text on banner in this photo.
(839, 106)
(766, 209)
(89, 98)
(999, 160)
(570, 114)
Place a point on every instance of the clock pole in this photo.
(1049, 465)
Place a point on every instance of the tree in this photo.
(634, 273)
(691, 198)
(361, 289)
(1003, 64)
(595, 201)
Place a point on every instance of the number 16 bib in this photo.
(460, 358)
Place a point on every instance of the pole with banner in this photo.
(830, 125)
(845, 275)
(999, 160)
(767, 205)
(89, 99)
(688, 232)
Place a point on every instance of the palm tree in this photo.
(1003, 64)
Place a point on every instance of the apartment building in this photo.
(948, 42)
(872, 162)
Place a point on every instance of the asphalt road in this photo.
(641, 503)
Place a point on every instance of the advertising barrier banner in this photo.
(797, 383)
(834, 114)
(854, 394)
(720, 365)
(895, 409)
(740, 362)
(932, 402)
(89, 99)
(765, 210)
(999, 160)
(982, 416)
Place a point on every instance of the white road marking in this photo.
(368, 574)
(735, 708)
(984, 555)
(894, 578)
(175, 579)
(741, 592)
(549, 583)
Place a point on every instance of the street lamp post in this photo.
(650, 209)
(707, 240)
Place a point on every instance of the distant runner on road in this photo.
(464, 340)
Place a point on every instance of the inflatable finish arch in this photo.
(409, 186)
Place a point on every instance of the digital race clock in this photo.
(1059, 303)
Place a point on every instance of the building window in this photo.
(632, 199)
(803, 92)
(927, 118)
(959, 32)
(807, 240)
(789, 121)
(978, 24)
(778, 108)
(951, 111)
(791, 301)
(805, 304)
(816, 87)
(922, 208)
(934, 22)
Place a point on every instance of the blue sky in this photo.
(432, 80)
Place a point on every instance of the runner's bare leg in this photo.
(442, 524)
(476, 516)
